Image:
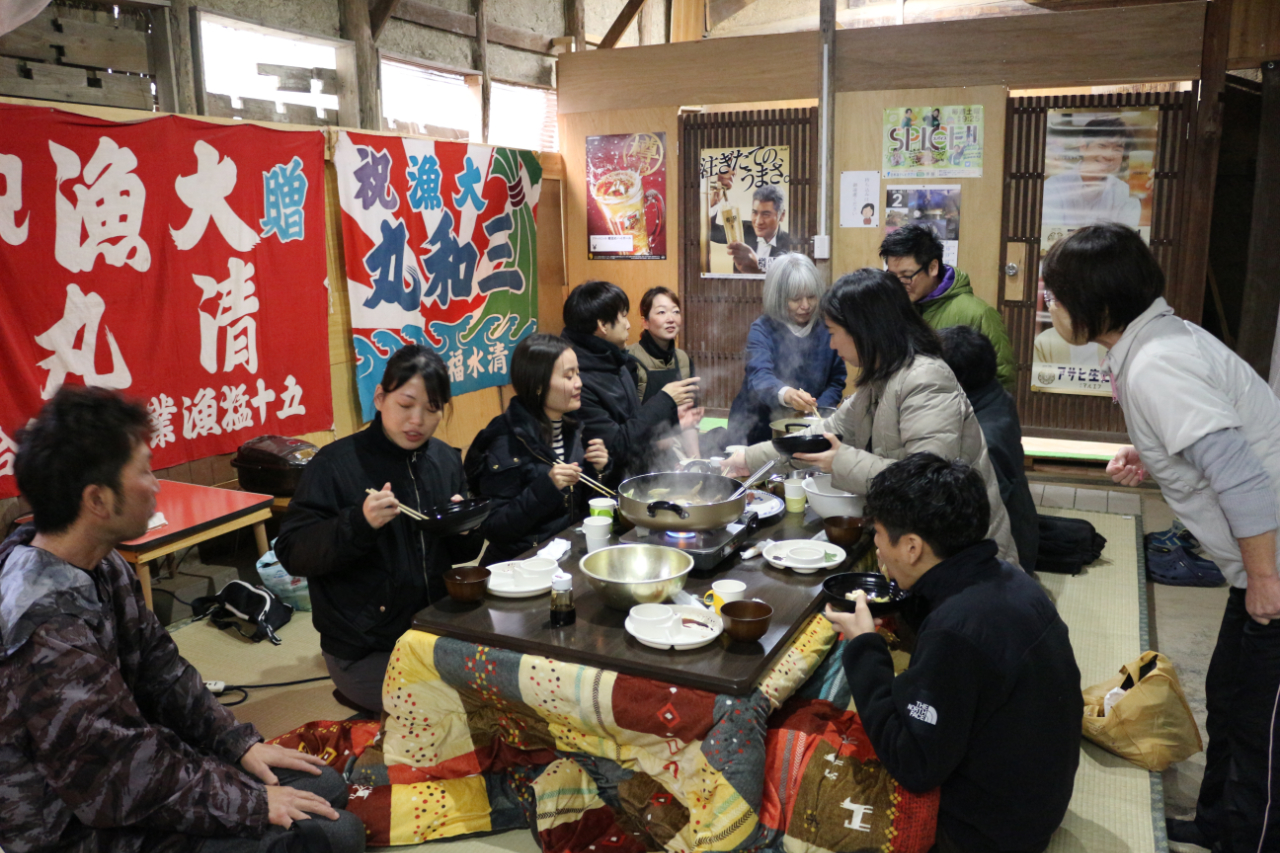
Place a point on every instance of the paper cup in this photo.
(602, 506)
(795, 497)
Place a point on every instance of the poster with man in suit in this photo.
(745, 204)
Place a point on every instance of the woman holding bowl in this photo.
(528, 460)
(789, 363)
(907, 399)
(370, 568)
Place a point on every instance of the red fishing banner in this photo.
(179, 262)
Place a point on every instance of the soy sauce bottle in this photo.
(563, 613)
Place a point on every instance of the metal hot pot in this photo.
(680, 500)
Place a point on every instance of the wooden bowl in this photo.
(843, 530)
(466, 584)
(746, 620)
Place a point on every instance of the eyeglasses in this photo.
(1049, 299)
(907, 278)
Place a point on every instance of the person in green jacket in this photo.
(943, 294)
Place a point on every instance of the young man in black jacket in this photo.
(596, 325)
(990, 707)
(972, 359)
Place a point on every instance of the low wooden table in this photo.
(195, 514)
(599, 639)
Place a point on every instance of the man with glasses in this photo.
(943, 294)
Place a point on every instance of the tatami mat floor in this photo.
(1112, 809)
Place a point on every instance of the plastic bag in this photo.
(1151, 724)
(291, 590)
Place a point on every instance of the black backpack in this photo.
(238, 602)
(1067, 545)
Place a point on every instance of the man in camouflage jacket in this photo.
(109, 740)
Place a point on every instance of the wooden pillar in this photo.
(480, 60)
(575, 23)
(688, 20)
(353, 19)
(826, 142)
(1261, 300)
(1202, 169)
(652, 26)
(181, 24)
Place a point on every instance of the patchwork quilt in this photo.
(478, 739)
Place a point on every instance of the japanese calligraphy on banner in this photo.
(180, 262)
(745, 196)
(441, 250)
(627, 183)
(1098, 168)
(933, 142)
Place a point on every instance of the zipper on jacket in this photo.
(422, 542)
(568, 499)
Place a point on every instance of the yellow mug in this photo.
(724, 591)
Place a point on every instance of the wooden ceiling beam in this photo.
(620, 23)
(380, 11)
(463, 24)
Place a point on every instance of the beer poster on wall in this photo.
(745, 199)
(1098, 166)
(933, 142)
(627, 197)
(936, 207)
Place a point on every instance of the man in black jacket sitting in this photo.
(990, 707)
(972, 358)
(596, 325)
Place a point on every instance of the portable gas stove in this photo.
(709, 548)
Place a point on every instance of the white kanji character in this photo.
(236, 303)
(206, 193)
(265, 395)
(200, 417)
(162, 411)
(81, 312)
(236, 404)
(108, 209)
(498, 358)
(291, 397)
(8, 452)
(474, 367)
(457, 369)
(11, 201)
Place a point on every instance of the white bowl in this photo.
(827, 500)
(805, 556)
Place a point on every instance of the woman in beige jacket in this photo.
(907, 399)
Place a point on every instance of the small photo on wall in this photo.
(936, 207)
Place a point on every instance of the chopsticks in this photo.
(409, 511)
(599, 487)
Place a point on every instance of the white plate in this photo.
(777, 555)
(688, 638)
(765, 504)
(509, 589)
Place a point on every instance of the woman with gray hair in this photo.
(790, 364)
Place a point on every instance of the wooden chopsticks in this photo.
(599, 487)
(409, 511)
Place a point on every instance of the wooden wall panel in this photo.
(1255, 33)
(1125, 45)
(859, 120)
(551, 280)
(717, 71)
(635, 277)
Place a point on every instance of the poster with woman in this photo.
(627, 197)
(1098, 168)
(745, 197)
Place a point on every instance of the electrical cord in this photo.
(217, 688)
(172, 594)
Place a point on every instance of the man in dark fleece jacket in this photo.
(596, 326)
(990, 707)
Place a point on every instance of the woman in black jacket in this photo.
(527, 461)
(371, 569)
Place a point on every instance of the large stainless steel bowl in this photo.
(627, 575)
